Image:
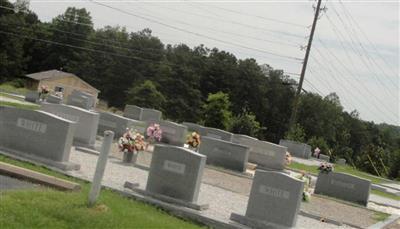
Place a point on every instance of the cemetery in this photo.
(176, 176)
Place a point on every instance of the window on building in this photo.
(58, 89)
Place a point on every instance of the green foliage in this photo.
(216, 111)
(145, 95)
(58, 209)
(245, 123)
(296, 133)
(319, 142)
(185, 76)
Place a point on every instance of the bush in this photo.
(216, 111)
(245, 124)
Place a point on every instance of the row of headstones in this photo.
(275, 196)
(76, 98)
(223, 149)
(235, 150)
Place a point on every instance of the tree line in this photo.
(195, 84)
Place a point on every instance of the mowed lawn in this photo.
(347, 169)
(49, 208)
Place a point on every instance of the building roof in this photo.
(53, 74)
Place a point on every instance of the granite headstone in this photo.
(225, 154)
(343, 186)
(87, 122)
(297, 149)
(176, 172)
(274, 200)
(173, 133)
(264, 154)
(37, 135)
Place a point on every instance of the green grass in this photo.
(384, 194)
(7, 87)
(380, 216)
(49, 208)
(350, 170)
(19, 105)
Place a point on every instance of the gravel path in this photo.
(222, 201)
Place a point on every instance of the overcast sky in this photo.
(355, 52)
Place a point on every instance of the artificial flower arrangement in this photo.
(193, 140)
(129, 143)
(44, 91)
(154, 133)
(306, 178)
(288, 159)
(325, 167)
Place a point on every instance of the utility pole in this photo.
(293, 117)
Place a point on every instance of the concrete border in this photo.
(253, 223)
(39, 160)
(36, 177)
(386, 222)
(135, 187)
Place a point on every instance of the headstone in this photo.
(297, 149)
(343, 186)
(218, 134)
(193, 127)
(80, 101)
(151, 115)
(92, 99)
(133, 112)
(119, 124)
(341, 161)
(324, 157)
(173, 133)
(264, 154)
(37, 135)
(225, 154)
(87, 122)
(274, 201)
(176, 172)
(53, 99)
(32, 96)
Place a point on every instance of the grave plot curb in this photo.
(36, 177)
(385, 205)
(386, 222)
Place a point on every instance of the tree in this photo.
(296, 133)
(216, 111)
(145, 95)
(245, 123)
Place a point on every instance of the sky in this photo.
(355, 51)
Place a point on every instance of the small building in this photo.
(59, 81)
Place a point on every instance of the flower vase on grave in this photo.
(130, 157)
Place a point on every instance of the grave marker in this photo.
(37, 135)
(87, 122)
(218, 134)
(173, 133)
(297, 149)
(133, 112)
(225, 154)
(118, 124)
(151, 115)
(274, 201)
(264, 154)
(343, 186)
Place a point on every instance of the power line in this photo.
(364, 34)
(261, 17)
(341, 38)
(344, 85)
(225, 32)
(195, 33)
(351, 30)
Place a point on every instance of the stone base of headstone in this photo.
(129, 157)
(83, 145)
(87, 150)
(135, 187)
(231, 172)
(276, 170)
(254, 223)
(65, 166)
